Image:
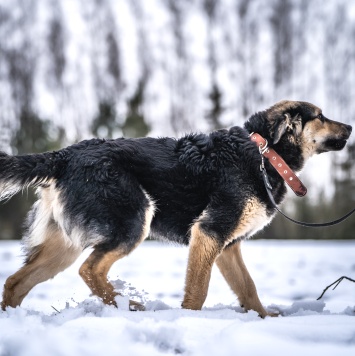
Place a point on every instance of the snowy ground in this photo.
(60, 318)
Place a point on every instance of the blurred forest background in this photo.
(74, 69)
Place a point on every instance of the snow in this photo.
(59, 317)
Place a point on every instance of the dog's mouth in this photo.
(333, 144)
(338, 142)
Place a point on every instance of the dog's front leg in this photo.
(203, 252)
(233, 269)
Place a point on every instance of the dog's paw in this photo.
(135, 306)
(273, 315)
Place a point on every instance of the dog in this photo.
(201, 190)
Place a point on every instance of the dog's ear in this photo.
(288, 124)
(281, 127)
(297, 124)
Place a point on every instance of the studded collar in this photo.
(280, 165)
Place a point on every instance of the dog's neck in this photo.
(291, 153)
(279, 165)
(259, 123)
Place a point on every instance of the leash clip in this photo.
(262, 165)
(262, 149)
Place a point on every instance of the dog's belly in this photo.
(174, 217)
(170, 229)
(176, 226)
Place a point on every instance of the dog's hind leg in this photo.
(94, 272)
(46, 260)
(233, 269)
(131, 232)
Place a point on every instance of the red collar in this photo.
(280, 165)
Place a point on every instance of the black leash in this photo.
(268, 188)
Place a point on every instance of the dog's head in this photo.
(297, 125)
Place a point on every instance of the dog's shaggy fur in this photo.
(205, 191)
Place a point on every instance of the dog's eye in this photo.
(320, 117)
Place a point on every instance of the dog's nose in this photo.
(349, 128)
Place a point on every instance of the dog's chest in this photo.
(253, 218)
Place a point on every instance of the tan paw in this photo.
(135, 306)
(273, 315)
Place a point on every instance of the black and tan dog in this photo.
(205, 191)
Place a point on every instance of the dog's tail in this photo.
(22, 171)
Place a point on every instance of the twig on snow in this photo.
(55, 309)
(336, 284)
